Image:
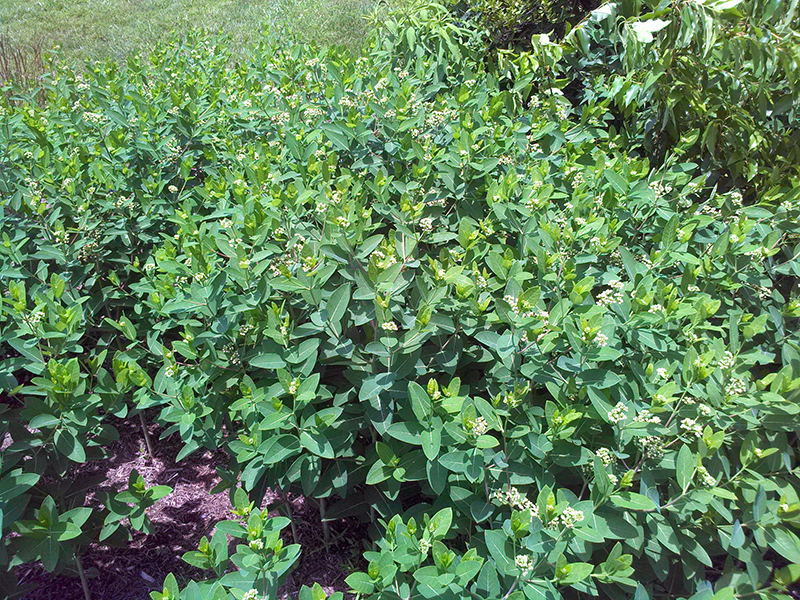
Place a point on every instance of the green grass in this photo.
(117, 28)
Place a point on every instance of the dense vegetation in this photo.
(533, 314)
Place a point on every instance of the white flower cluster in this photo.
(661, 373)
(727, 361)
(606, 457)
(516, 500)
(437, 118)
(383, 261)
(34, 318)
(477, 427)
(618, 414)
(601, 340)
(691, 427)
(571, 517)
(656, 308)
(251, 595)
(645, 416)
(426, 224)
(652, 446)
(389, 326)
(736, 387)
(523, 562)
(171, 370)
(424, 546)
(294, 385)
(705, 477)
(256, 544)
(523, 308)
(613, 295)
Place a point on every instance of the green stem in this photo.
(147, 440)
(84, 582)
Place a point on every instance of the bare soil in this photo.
(180, 520)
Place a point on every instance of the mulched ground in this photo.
(180, 520)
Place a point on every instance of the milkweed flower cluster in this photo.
(613, 295)
(567, 519)
(645, 416)
(618, 414)
(691, 427)
(477, 427)
(736, 387)
(512, 497)
(705, 477)
(523, 562)
(652, 446)
(606, 457)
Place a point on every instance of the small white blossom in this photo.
(705, 477)
(389, 326)
(571, 517)
(478, 427)
(606, 456)
(691, 427)
(727, 361)
(652, 446)
(523, 562)
(618, 414)
(736, 387)
(257, 544)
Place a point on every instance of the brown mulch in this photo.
(180, 520)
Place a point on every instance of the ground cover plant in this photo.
(546, 349)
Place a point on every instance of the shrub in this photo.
(417, 288)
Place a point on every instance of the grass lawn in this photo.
(117, 28)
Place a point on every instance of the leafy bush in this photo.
(717, 79)
(417, 288)
(511, 23)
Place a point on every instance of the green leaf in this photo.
(785, 543)
(616, 181)
(420, 402)
(644, 30)
(684, 467)
(633, 501)
(337, 303)
(576, 572)
(431, 442)
(360, 583)
(737, 535)
(69, 446)
(269, 360)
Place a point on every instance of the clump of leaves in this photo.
(417, 288)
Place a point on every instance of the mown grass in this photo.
(98, 29)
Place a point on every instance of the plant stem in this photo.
(147, 441)
(291, 516)
(84, 582)
(326, 528)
